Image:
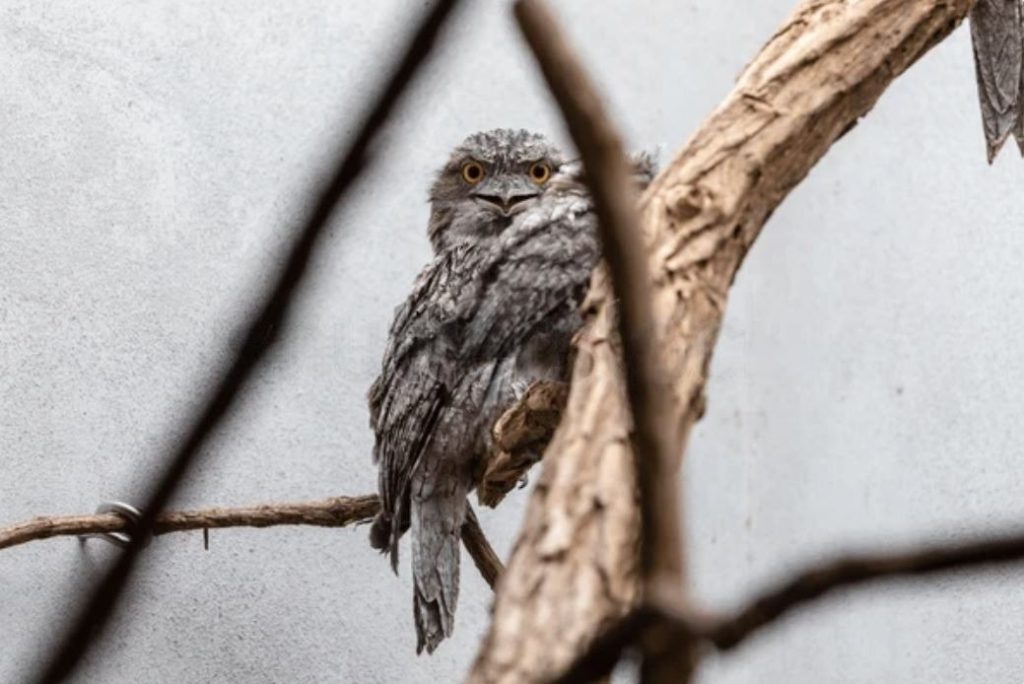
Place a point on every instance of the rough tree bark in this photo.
(575, 566)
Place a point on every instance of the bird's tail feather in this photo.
(436, 525)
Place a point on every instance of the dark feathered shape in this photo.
(997, 34)
(493, 312)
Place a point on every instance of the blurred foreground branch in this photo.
(652, 403)
(262, 328)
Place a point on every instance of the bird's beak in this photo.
(508, 198)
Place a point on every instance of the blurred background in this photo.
(155, 157)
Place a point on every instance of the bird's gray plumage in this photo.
(997, 35)
(494, 311)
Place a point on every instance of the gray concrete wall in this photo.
(156, 155)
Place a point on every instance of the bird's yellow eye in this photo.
(472, 172)
(540, 172)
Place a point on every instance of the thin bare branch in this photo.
(524, 428)
(726, 632)
(484, 557)
(336, 512)
(45, 527)
(818, 580)
(608, 175)
(652, 403)
(339, 511)
(264, 328)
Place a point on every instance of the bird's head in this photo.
(489, 178)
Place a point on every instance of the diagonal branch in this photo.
(726, 632)
(339, 511)
(608, 175)
(264, 328)
(858, 570)
(571, 573)
(651, 401)
(480, 550)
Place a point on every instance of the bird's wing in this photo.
(540, 266)
(414, 385)
(470, 307)
(537, 267)
(998, 38)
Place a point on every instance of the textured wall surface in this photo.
(156, 155)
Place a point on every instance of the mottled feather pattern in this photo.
(537, 267)
(413, 384)
(494, 311)
(997, 35)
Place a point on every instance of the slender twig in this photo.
(264, 328)
(484, 557)
(524, 427)
(339, 511)
(653, 405)
(858, 570)
(728, 631)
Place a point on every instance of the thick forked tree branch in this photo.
(574, 569)
(339, 511)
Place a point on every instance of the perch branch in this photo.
(523, 429)
(263, 329)
(651, 401)
(571, 573)
(339, 511)
(336, 512)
